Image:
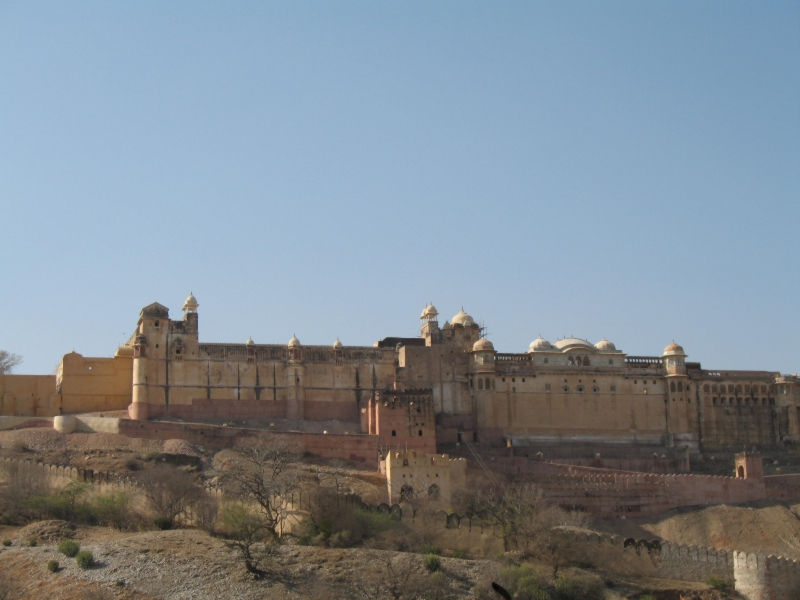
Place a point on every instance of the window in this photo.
(513, 380)
(722, 400)
(156, 323)
(613, 388)
(610, 361)
(585, 361)
(433, 492)
(523, 380)
(420, 433)
(566, 388)
(480, 384)
(504, 379)
(580, 389)
(394, 433)
(680, 386)
(546, 387)
(672, 386)
(596, 389)
(487, 383)
(546, 360)
(730, 388)
(715, 401)
(772, 401)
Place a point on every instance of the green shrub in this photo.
(32, 542)
(85, 559)
(52, 566)
(459, 553)
(430, 549)
(568, 588)
(524, 583)
(718, 583)
(432, 562)
(6, 542)
(163, 523)
(68, 548)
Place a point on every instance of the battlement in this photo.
(760, 577)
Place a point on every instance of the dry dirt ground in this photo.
(190, 564)
(765, 528)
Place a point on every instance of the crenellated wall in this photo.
(760, 577)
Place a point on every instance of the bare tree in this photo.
(8, 361)
(399, 577)
(171, 492)
(247, 535)
(264, 473)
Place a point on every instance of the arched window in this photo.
(566, 388)
(680, 386)
(738, 389)
(772, 401)
(739, 401)
(406, 493)
(433, 492)
(569, 361)
(715, 401)
(714, 388)
(610, 361)
(722, 400)
(580, 389)
(585, 361)
(705, 388)
(405, 462)
(740, 472)
(747, 389)
(487, 383)
(420, 433)
(394, 433)
(730, 388)
(480, 384)
(763, 389)
(672, 386)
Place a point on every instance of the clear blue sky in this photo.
(628, 170)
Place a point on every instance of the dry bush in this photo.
(400, 577)
(170, 491)
(248, 536)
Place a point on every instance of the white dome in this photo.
(539, 345)
(337, 345)
(463, 319)
(294, 342)
(674, 348)
(249, 342)
(605, 346)
(191, 303)
(483, 345)
(429, 312)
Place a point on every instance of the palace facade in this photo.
(446, 386)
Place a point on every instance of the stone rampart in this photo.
(357, 447)
(760, 577)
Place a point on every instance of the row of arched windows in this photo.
(743, 401)
(578, 361)
(732, 389)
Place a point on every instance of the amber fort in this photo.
(568, 392)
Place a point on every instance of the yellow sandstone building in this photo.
(446, 386)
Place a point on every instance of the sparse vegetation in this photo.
(85, 559)
(432, 563)
(6, 542)
(32, 542)
(718, 583)
(52, 566)
(69, 548)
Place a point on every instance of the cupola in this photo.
(294, 342)
(540, 345)
(483, 345)
(191, 304)
(463, 319)
(605, 346)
